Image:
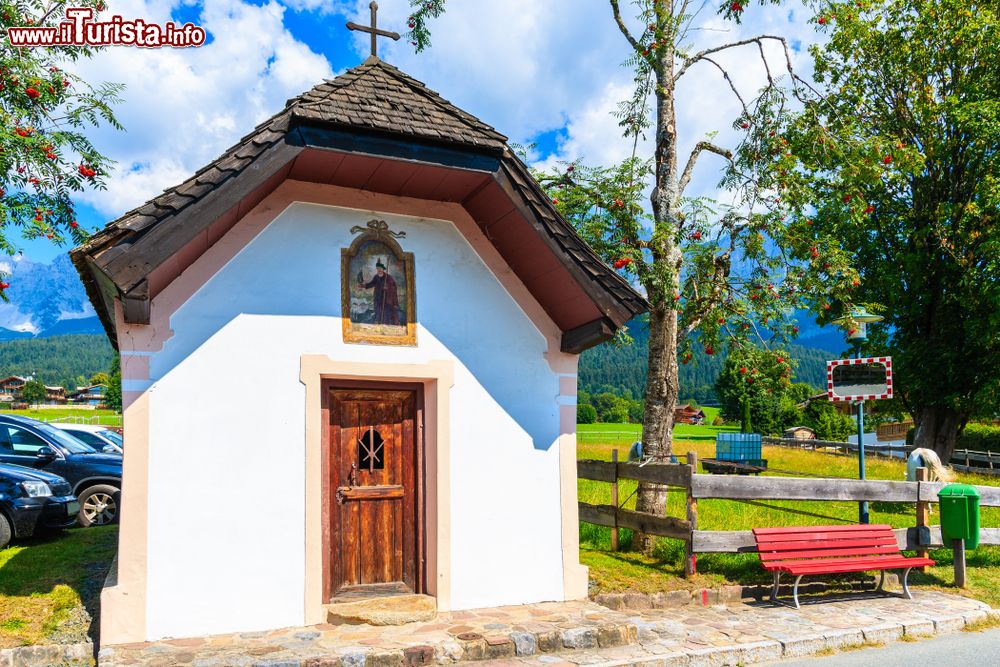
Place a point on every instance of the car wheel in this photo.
(99, 505)
(5, 531)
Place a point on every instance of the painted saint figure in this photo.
(384, 295)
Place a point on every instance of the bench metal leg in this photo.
(906, 589)
(881, 582)
(795, 591)
(774, 588)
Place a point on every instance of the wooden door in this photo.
(373, 482)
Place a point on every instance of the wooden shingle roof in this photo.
(373, 100)
(380, 97)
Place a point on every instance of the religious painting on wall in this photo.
(378, 296)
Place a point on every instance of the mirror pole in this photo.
(863, 505)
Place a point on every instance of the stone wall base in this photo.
(48, 655)
(707, 597)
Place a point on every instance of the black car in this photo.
(32, 501)
(95, 477)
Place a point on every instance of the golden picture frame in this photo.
(378, 289)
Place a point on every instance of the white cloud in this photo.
(524, 66)
(185, 106)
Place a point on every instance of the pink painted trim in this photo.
(567, 419)
(135, 367)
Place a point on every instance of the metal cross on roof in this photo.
(373, 29)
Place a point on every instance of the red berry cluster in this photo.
(86, 171)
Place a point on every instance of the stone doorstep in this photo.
(385, 610)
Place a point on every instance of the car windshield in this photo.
(113, 437)
(65, 440)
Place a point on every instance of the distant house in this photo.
(893, 431)
(92, 395)
(55, 394)
(10, 388)
(686, 414)
(799, 433)
(846, 407)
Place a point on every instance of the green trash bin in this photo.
(960, 514)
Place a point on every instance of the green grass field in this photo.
(626, 434)
(631, 571)
(105, 417)
(43, 579)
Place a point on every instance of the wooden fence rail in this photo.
(734, 487)
(961, 459)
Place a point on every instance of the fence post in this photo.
(923, 512)
(614, 500)
(958, 549)
(690, 559)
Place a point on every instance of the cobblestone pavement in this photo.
(576, 633)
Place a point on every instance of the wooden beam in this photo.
(797, 488)
(587, 336)
(601, 471)
(667, 474)
(722, 541)
(393, 146)
(663, 526)
(690, 555)
(135, 304)
(989, 496)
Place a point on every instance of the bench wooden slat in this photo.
(829, 553)
(834, 561)
(839, 568)
(826, 529)
(882, 541)
(818, 536)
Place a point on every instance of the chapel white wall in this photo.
(227, 427)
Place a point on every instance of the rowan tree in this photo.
(45, 110)
(897, 153)
(754, 380)
(710, 271)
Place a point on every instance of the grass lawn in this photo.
(49, 586)
(106, 417)
(626, 434)
(630, 571)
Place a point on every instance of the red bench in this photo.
(802, 550)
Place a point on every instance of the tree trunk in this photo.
(745, 426)
(938, 428)
(658, 422)
(662, 382)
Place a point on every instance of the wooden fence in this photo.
(964, 460)
(738, 487)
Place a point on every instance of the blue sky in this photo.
(547, 73)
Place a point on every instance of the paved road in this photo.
(962, 649)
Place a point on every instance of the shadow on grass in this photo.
(60, 567)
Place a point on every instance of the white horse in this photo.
(927, 458)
